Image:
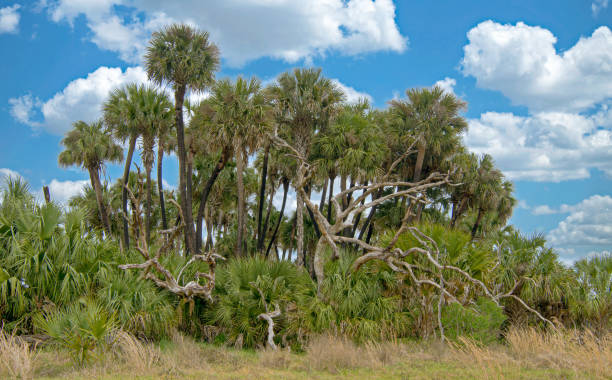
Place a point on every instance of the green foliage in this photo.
(592, 298)
(481, 323)
(364, 305)
(84, 328)
(239, 302)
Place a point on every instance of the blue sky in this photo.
(537, 77)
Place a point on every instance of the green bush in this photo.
(481, 323)
(84, 328)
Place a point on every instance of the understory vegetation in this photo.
(308, 237)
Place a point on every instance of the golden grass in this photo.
(16, 358)
(526, 354)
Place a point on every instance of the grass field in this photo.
(526, 355)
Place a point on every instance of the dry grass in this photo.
(527, 354)
(567, 350)
(16, 358)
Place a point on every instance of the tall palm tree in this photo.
(240, 119)
(304, 102)
(489, 189)
(89, 146)
(185, 58)
(138, 111)
(430, 116)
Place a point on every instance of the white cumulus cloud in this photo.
(9, 19)
(81, 99)
(587, 228)
(545, 147)
(244, 29)
(447, 84)
(352, 95)
(521, 62)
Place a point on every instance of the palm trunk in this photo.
(262, 194)
(311, 215)
(205, 193)
(477, 224)
(418, 166)
(343, 188)
(208, 235)
(368, 221)
(331, 193)
(300, 229)
(160, 186)
(323, 194)
(459, 210)
(267, 221)
(241, 200)
(280, 216)
(358, 218)
(148, 205)
(179, 96)
(95, 182)
(124, 194)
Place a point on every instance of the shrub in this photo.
(481, 323)
(84, 328)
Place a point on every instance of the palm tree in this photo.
(89, 146)
(138, 111)
(489, 189)
(240, 118)
(304, 102)
(185, 58)
(431, 116)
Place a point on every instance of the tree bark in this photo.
(148, 205)
(262, 194)
(95, 181)
(300, 230)
(160, 186)
(460, 210)
(241, 200)
(331, 193)
(267, 220)
(179, 97)
(368, 221)
(205, 193)
(323, 194)
(418, 166)
(124, 195)
(280, 216)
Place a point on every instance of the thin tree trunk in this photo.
(209, 234)
(311, 215)
(241, 200)
(179, 97)
(148, 205)
(124, 194)
(95, 181)
(205, 193)
(262, 194)
(189, 192)
(457, 213)
(323, 194)
(300, 230)
(358, 218)
(280, 216)
(370, 217)
(331, 193)
(343, 188)
(267, 220)
(418, 166)
(478, 220)
(160, 186)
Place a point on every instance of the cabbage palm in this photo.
(183, 57)
(488, 189)
(304, 102)
(431, 116)
(240, 119)
(89, 146)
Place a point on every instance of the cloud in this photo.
(352, 95)
(598, 5)
(9, 19)
(244, 29)
(81, 99)
(521, 62)
(62, 191)
(587, 228)
(447, 84)
(23, 108)
(545, 147)
(543, 210)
